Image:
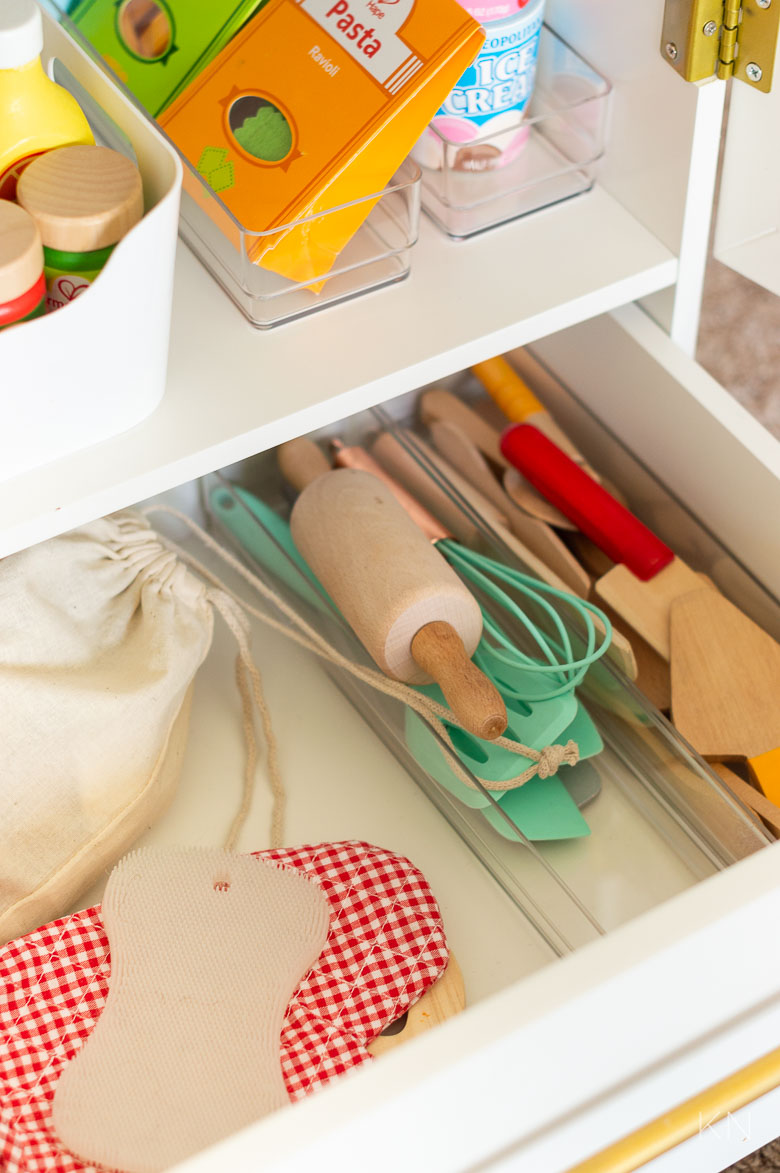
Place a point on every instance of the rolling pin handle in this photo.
(474, 699)
(300, 462)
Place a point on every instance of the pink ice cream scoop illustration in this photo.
(479, 126)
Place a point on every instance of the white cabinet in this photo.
(552, 1062)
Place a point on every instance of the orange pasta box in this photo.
(312, 106)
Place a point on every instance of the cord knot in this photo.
(552, 757)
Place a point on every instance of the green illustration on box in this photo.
(156, 47)
(265, 133)
(216, 168)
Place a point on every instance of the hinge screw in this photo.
(671, 50)
(763, 3)
(753, 72)
(710, 28)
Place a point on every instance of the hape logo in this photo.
(369, 31)
(347, 23)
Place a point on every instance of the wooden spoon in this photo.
(512, 395)
(539, 537)
(440, 406)
(726, 686)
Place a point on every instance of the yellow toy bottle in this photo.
(35, 113)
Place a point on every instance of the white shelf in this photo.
(234, 391)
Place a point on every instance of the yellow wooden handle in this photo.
(765, 772)
(507, 390)
(475, 701)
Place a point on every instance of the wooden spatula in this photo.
(726, 685)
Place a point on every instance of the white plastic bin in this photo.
(96, 367)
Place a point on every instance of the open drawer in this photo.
(557, 1057)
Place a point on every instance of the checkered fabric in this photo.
(385, 947)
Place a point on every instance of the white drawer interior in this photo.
(344, 782)
(653, 834)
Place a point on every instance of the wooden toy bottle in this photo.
(22, 284)
(84, 199)
(35, 113)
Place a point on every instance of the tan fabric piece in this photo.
(102, 631)
(207, 949)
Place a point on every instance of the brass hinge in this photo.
(722, 38)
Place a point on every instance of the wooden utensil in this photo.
(537, 535)
(441, 406)
(409, 609)
(497, 655)
(652, 675)
(753, 799)
(391, 451)
(510, 392)
(737, 831)
(444, 999)
(648, 576)
(726, 686)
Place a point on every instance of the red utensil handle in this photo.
(605, 521)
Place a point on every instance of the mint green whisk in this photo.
(554, 668)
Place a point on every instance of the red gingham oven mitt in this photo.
(385, 948)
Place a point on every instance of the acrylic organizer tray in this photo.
(565, 128)
(378, 254)
(656, 820)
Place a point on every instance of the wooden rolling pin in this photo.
(411, 612)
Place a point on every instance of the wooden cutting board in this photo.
(441, 1001)
(726, 685)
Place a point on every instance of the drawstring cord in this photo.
(544, 763)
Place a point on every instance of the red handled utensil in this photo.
(648, 577)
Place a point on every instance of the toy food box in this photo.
(157, 46)
(315, 104)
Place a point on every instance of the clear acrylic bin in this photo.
(659, 820)
(378, 254)
(565, 129)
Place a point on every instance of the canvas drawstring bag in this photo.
(102, 631)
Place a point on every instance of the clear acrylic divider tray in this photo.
(379, 228)
(378, 254)
(465, 189)
(658, 820)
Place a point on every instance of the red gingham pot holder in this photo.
(385, 947)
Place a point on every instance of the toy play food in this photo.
(22, 285)
(84, 199)
(312, 106)
(35, 113)
(157, 46)
(478, 127)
